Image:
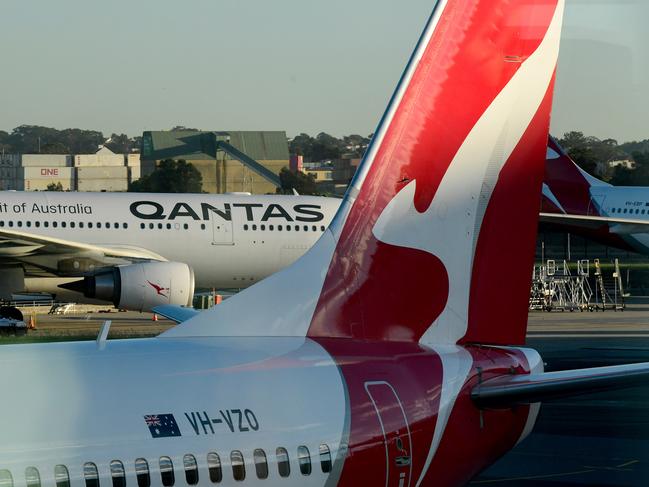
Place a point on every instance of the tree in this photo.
(170, 177)
(54, 148)
(639, 176)
(302, 183)
(121, 144)
(54, 187)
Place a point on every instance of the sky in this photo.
(293, 65)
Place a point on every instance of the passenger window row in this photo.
(631, 211)
(190, 466)
(62, 224)
(288, 228)
(168, 226)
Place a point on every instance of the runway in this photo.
(594, 440)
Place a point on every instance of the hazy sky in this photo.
(294, 65)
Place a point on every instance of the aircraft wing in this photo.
(175, 313)
(620, 226)
(504, 392)
(62, 257)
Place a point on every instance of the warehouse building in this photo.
(232, 161)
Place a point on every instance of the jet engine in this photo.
(140, 287)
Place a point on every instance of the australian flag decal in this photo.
(162, 425)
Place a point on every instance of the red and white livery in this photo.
(379, 358)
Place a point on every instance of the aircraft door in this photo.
(222, 230)
(396, 433)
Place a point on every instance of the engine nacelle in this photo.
(140, 287)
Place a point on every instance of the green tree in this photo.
(54, 187)
(170, 177)
(121, 143)
(639, 176)
(302, 183)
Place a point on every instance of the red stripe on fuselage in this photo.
(461, 72)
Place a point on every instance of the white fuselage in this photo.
(622, 202)
(74, 404)
(231, 241)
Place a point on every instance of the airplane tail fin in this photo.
(437, 230)
(566, 187)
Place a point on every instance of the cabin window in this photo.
(322, 228)
(159, 226)
(151, 225)
(32, 477)
(238, 467)
(72, 224)
(245, 227)
(142, 473)
(167, 471)
(271, 227)
(98, 224)
(191, 469)
(89, 224)
(61, 476)
(261, 464)
(325, 458)
(142, 226)
(202, 226)
(124, 226)
(90, 474)
(214, 467)
(46, 224)
(80, 224)
(283, 464)
(314, 228)
(304, 460)
(297, 228)
(6, 480)
(279, 228)
(20, 223)
(37, 224)
(168, 226)
(263, 227)
(185, 226)
(254, 227)
(29, 224)
(2, 223)
(306, 228)
(117, 473)
(288, 228)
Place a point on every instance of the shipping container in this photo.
(46, 160)
(58, 173)
(102, 184)
(41, 184)
(91, 160)
(133, 160)
(102, 172)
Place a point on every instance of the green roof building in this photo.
(221, 171)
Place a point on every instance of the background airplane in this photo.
(577, 202)
(392, 363)
(140, 250)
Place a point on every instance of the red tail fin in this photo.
(446, 197)
(457, 167)
(567, 186)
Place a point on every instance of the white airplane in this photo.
(580, 203)
(382, 356)
(142, 250)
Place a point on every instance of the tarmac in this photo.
(592, 440)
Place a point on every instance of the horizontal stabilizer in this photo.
(504, 392)
(175, 313)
